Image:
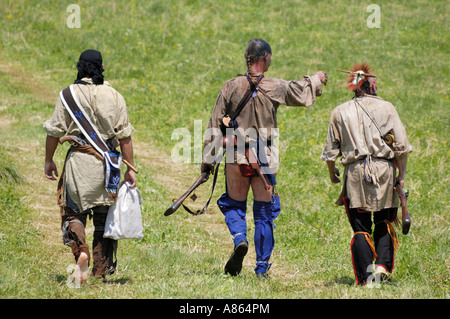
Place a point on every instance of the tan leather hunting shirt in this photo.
(84, 174)
(354, 134)
(260, 112)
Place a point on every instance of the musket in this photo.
(200, 180)
(406, 220)
(75, 139)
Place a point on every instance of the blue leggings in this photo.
(263, 214)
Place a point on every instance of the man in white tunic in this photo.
(359, 132)
(82, 185)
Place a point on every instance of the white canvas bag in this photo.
(124, 220)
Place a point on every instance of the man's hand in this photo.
(401, 181)
(334, 172)
(49, 169)
(206, 168)
(130, 176)
(334, 176)
(323, 76)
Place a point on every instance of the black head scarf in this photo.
(90, 66)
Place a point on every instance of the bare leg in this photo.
(259, 192)
(237, 185)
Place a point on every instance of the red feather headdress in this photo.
(359, 75)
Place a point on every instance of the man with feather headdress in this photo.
(371, 139)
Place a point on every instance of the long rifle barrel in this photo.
(200, 180)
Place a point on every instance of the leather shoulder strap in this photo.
(80, 117)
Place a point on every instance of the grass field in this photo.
(169, 60)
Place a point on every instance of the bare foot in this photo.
(80, 274)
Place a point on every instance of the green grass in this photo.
(169, 59)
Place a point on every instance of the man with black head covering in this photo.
(245, 112)
(81, 189)
(90, 65)
(361, 131)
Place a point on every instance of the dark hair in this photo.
(368, 86)
(90, 66)
(256, 48)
